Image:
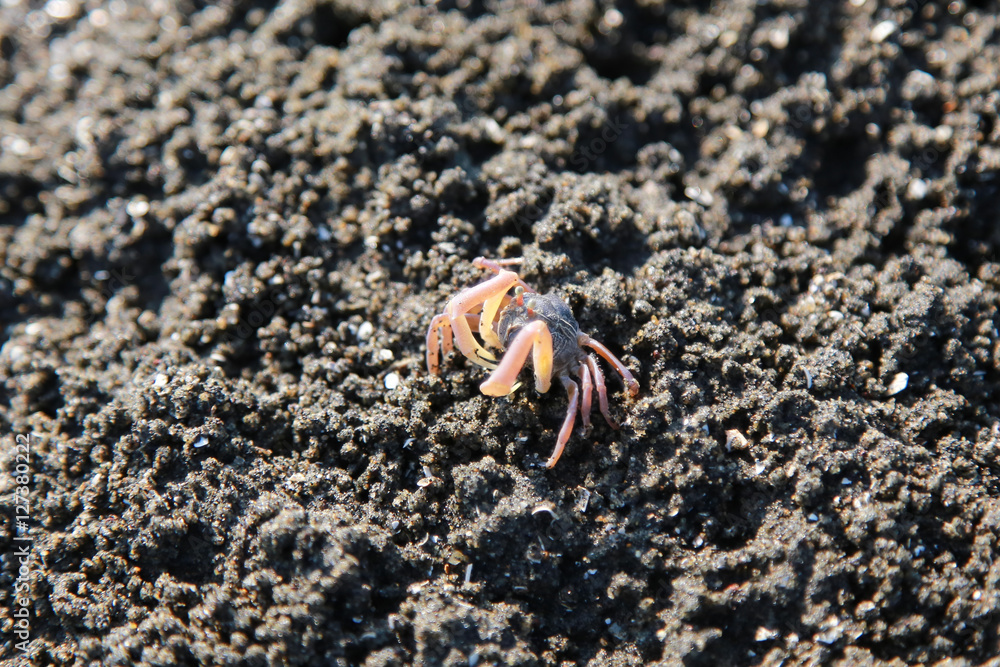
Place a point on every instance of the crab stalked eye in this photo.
(519, 295)
(531, 307)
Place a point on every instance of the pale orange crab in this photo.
(516, 325)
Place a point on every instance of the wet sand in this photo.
(225, 230)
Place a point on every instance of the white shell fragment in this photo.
(427, 479)
(366, 330)
(735, 439)
(391, 381)
(882, 31)
(137, 208)
(917, 189)
(898, 384)
(545, 506)
(779, 37)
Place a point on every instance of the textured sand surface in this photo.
(224, 232)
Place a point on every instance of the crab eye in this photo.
(519, 295)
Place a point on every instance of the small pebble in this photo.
(137, 208)
(60, 9)
(917, 189)
(613, 18)
(735, 439)
(943, 133)
(779, 37)
(229, 156)
(366, 330)
(882, 31)
(391, 381)
(698, 195)
(898, 384)
(17, 145)
(642, 308)
(16, 352)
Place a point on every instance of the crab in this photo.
(518, 324)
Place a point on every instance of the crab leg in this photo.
(585, 397)
(490, 308)
(496, 266)
(438, 340)
(534, 337)
(602, 392)
(498, 301)
(474, 322)
(461, 304)
(630, 384)
(567, 427)
(439, 336)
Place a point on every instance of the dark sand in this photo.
(225, 229)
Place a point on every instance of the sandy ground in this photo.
(225, 229)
